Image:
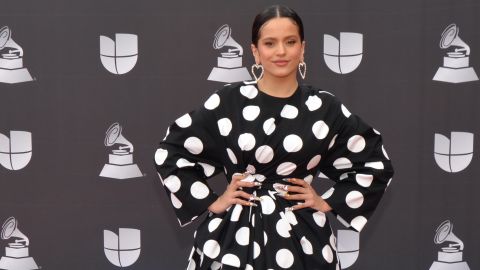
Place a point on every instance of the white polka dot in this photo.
(194, 145)
(246, 141)
(286, 168)
(333, 242)
(265, 238)
(332, 142)
(342, 163)
(289, 112)
(343, 176)
(290, 216)
(283, 228)
(358, 223)
(306, 246)
(243, 236)
(173, 183)
(260, 177)
(364, 180)
(264, 154)
(385, 152)
(345, 111)
(232, 156)
(208, 169)
(166, 134)
(191, 265)
(356, 144)
(251, 112)
(231, 260)
(320, 130)
(292, 143)
(248, 266)
(319, 218)
(268, 205)
(224, 126)
(215, 265)
(284, 258)
(269, 126)
(212, 102)
(237, 210)
(251, 169)
(175, 201)
(313, 162)
(182, 163)
(354, 199)
(389, 181)
(213, 224)
(308, 178)
(249, 91)
(160, 156)
(376, 131)
(184, 121)
(313, 103)
(211, 248)
(327, 253)
(199, 190)
(252, 220)
(256, 250)
(328, 193)
(375, 164)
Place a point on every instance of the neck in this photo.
(278, 87)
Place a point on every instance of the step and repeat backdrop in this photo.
(88, 89)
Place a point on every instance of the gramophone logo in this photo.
(454, 154)
(229, 65)
(450, 257)
(345, 55)
(16, 151)
(348, 247)
(120, 161)
(122, 250)
(119, 56)
(16, 253)
(456, 67)
(11, 59)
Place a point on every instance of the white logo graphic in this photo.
(343, 56)
(455, 154)
(229, 65)
(11, 59)
(451, 256)
(120, 161)
(123, 249)
(119, 56)
(456, 67)
(16, 152)
(16, 253)
(348, 246)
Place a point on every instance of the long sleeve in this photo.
(186, 158)
(358, 163)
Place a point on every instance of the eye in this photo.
(268, 43)
(291, 42)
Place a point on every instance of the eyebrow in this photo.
(291, 36)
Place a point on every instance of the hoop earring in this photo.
(302, 69)
(255, 68)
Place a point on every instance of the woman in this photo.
(271, 137)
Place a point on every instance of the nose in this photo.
(281, 49)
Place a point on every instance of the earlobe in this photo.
(255, 53)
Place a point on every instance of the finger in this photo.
(246, 195)
(296, 189)
(247, 184)
(294, 197)
(298, 181)
(245, 203)
(297, 207)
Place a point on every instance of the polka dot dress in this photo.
(241, 129)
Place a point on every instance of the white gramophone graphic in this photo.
(16, 253)
(450, 257)
(120, 162)
(119, 56)
(11, 59)
(456, 67)
(229, 65)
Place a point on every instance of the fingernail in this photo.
(253, 204)
(258, 198)
(285, 187)
(257, 184)
(282, 194)
(289, 209)
(286, 179)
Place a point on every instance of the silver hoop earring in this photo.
(302, 69)
(255, 69)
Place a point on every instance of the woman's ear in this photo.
(255, 53)
(303, 51)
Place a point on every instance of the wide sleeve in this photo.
(186, 158)
(360, 167)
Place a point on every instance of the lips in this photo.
(281, 62)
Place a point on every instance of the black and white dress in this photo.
(241, 129)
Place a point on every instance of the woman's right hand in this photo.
(234, 195)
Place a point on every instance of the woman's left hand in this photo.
(305, 192)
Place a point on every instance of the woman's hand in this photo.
(234, 195)
(305, 193)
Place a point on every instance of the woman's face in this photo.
(279, 48)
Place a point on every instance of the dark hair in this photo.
(276, 11)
